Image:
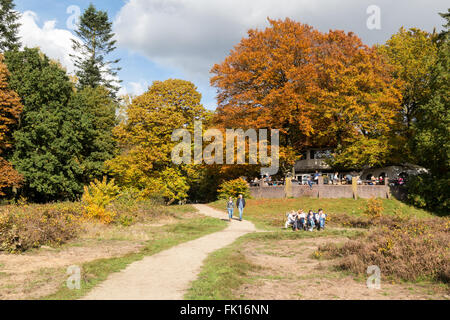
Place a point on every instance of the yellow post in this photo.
(355, 187)
(288, 187)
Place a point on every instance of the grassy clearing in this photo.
(396, 235)
(269, 214)
(227, 269)
(283, 265)
(95, 272)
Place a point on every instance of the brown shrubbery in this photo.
(26, 226)
(31, 226)
(407, 249)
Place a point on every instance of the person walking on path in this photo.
(230, 207)
(240, 204)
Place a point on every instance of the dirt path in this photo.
(168, 274)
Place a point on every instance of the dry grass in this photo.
(409, 249)
(284, 266)
(39, 272)
(30, 226)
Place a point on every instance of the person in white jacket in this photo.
(291, 218)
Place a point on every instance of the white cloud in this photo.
(137, 88)
(192, 35)
(54, 42)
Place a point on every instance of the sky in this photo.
(162, 39)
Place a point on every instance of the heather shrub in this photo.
(128, 211)
(408, 249)
(31, 226)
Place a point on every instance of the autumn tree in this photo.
(9, 26)
(96, 42)
(319, 89)
(146, 139)
(10, 109)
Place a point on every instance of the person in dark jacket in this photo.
(240, 204)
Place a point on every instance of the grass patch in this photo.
(223, 271)
(227, 269)
(270, 214)
(95, 272)
(181, 209)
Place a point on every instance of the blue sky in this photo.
(161, 39)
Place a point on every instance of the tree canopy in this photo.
(95, 33)
(320, 89)
(10, 110)
(64, 136)
(146, 138)
(9, 26)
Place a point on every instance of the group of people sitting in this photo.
(301, 221)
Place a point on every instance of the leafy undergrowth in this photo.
(24, 227)
(30, 226)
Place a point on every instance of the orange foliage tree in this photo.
(319, 89)
(10, 109)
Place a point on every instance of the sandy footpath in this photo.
(168, 274)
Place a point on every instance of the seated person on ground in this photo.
(310, 220)
(316, 219)
(322, 219)
(301, 220)
(290, 219)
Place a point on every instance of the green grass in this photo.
(95, 272)
(270, 214)
(180, 209)
(227, 269)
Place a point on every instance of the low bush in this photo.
(407, 249)
(97, 197)
(374, 208)
(31, 226)
(234, 188)
(104, 202)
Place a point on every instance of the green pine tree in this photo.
(48, 143)
(98, 143)
(9, 26)
(445, 33)
(95, 33)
